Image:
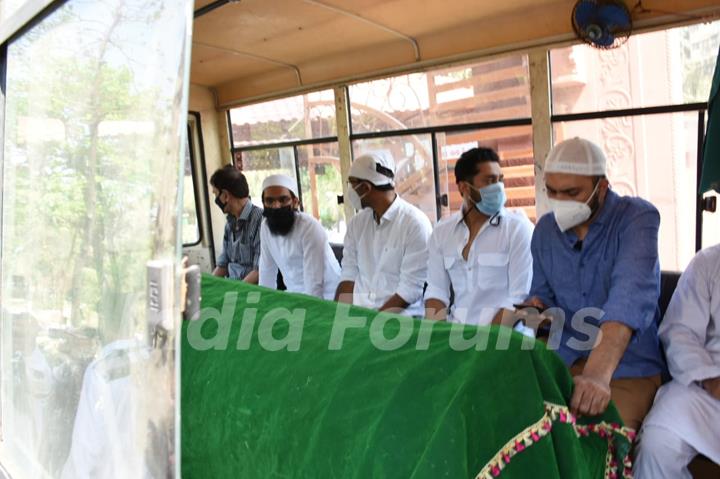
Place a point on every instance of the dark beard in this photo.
(280, 220)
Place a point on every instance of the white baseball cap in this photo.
(376, 167)
(576, 156)
(281, 180)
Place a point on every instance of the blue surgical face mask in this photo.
(492, 198)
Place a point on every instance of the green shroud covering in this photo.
(360, 412)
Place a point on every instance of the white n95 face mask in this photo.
(354, 199)
(569, 213)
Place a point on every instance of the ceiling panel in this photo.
(327, 45)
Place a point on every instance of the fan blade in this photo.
(585, 12)
(606, 40)
(614, 17)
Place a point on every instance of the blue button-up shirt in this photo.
(615, 270)
(241, 242)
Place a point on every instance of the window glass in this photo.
(190, 224)
(259, 164)
(660, 68)
(515, 149)
(295, 118)
(653, 157)
(495, 89)
(321, 184)
(90, 170)
(414, 177)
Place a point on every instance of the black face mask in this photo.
(220, 204)
(280, 220)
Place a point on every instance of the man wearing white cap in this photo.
(385, 252)
(595, 257)
(294, 243)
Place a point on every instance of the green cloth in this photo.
(361, 412)
(711, 150)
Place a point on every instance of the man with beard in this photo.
(294, 243)
(241, 241)
(595, 258)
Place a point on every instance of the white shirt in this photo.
(497, 273)
(112, 420)
(387, 258)
(303, 256)
(690, 332)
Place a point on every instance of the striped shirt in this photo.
(241, 242)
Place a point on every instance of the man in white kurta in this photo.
(482, 251)
(294, 243)
(685, 418)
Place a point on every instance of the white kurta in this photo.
(303, 256)
(690, 333)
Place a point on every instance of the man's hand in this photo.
(712, 386)
(591, 395)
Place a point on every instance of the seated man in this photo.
(385, 252)
(685, 418)
(295, 243)
(241, 241)
(596, 259)
(482, 251)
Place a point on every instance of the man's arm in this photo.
(630, 307)
(315, 243)
(350, 269)
(255, 223)
(344, 293)
(684, 329)
(591, 395)
(435, 309)
(252, 277)
(267, 271)
(437, 294)
(395, 304)
(221, 265)
(413, 268)
(541, 294)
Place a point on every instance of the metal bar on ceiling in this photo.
(385, 28)
(232, 51)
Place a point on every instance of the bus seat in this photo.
(668, 283)
(338, 251)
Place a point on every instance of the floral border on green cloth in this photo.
(615, 468)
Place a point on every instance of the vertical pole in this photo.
(342, 118)
(699, 203)
(540, 101)
(436, 177)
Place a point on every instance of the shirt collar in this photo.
(392, 211)
(611, 199)
(245, 213)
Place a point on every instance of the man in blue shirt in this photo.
(240, 255)
(595, 258)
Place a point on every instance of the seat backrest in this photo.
(668, 283)
(338, 251)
